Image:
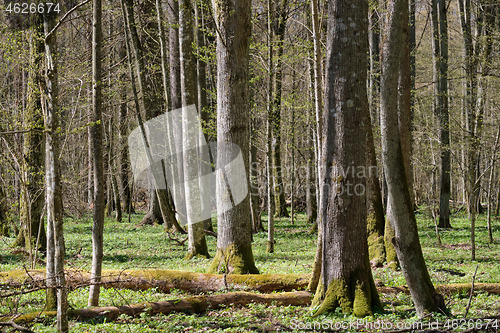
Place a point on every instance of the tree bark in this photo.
(150, 110)
(166, 280)
(56, 283)
(32, 197)
(254, 184)
(4, 228)
(269, 131)
(195, 304)
(375, 221)
(197, 245)
(279, 29)
(440, 47)
(406, 241)
(97, 134)
(234, 249)
(346, 279)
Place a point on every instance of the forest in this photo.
(238, 165)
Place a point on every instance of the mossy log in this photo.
(196, 304)
(453, 288)
(165, 280)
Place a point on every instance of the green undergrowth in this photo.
(128, 246)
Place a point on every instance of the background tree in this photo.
(97, 133)
(31, 231)
(406, 241)
(55, 276)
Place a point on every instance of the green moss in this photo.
(376, 248)
(233, 260)
(353, 295)
(390, 251)
(362, 305)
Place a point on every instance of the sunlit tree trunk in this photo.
(234, 248)
(197, 245)
(406, 240)
(167, 215)
(31, 202)
(55, 277)
(97, 134)
(346, 279)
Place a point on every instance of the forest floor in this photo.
(128, 246)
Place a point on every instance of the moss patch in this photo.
(233, 260)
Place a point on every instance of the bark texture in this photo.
(346, 280)
(406, 241)
(234, 249)
(31, 202)
(97, 134)
(56, 282)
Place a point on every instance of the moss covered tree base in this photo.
(376, 246)
(353, 296)
(233, 260)
(390, 251)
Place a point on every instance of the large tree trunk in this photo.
(56, 283)
(346, 279)
(97, 133)
(31, 232)
(197, 245)
(406, 241)
(234, 248)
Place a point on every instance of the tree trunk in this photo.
(490, 186)
(270, 126)
(317, 135)
(150, 110)
(279, 28)
(147, 104)
(234, 248)
(56, 283)
(346, 279)
(97, 133)
(375, 221)
(440, 47)
(203, 109)
(4, 228)
(406, 241)
(254, 182)
(32, 200)
(197, 245)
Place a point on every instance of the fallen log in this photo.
(165, 280)
(452, 288)
(195, 304)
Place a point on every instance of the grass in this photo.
(128, 246)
